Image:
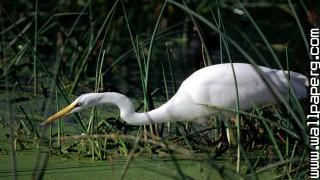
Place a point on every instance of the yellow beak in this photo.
(65, 111)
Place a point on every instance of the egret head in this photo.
(82, 102)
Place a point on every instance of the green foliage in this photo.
(52, 51)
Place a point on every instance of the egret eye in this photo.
(78, 104)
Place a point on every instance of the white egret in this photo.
(210, 86)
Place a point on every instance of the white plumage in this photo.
(209, 87)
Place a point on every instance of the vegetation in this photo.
(52, 51)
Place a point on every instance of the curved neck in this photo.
(127, 112)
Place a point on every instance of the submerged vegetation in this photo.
(51, 52)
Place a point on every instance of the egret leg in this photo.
(153, 132)
(145, 135)
(230, 132)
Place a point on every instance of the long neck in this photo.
(128, 114)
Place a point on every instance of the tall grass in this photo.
(11, 126)
(90, 51)
(35, 84)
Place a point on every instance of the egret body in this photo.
(209, 87)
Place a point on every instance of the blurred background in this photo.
(75, 32)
